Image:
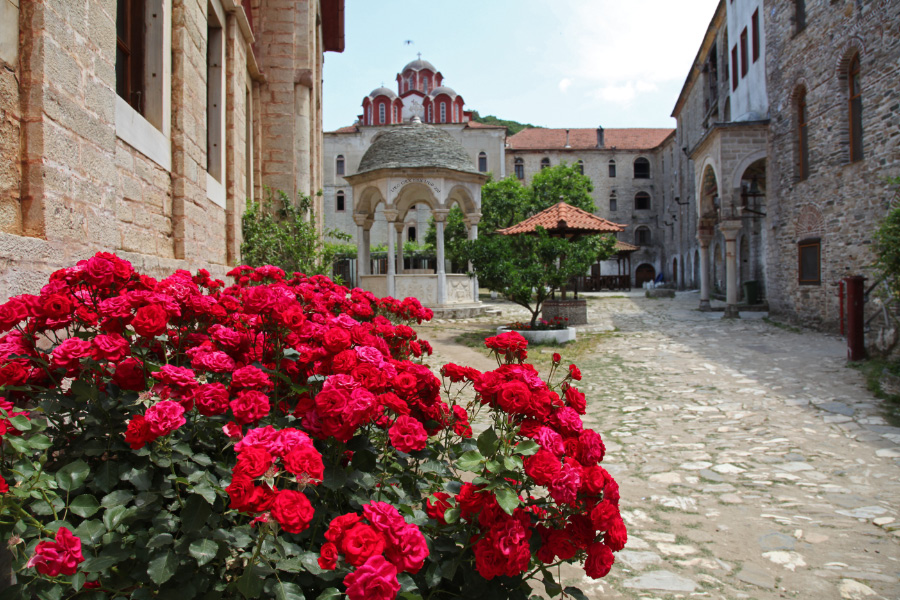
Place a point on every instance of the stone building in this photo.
(833, 69)
(420, 93)
(627, 169)
(141, 127)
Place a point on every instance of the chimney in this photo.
(599, 136)
(567, 139)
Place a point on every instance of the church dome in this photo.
(416, 145)
(419, 65)
(383, 91)
(443, 90)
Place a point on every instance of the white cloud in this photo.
(619, 94)
(564, 84)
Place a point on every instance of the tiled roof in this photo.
(477, 125)
(563, 219)
(586, 139)
(626, 247)
(415, 145)
(347, 129)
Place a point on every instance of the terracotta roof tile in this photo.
(626, 247)
(477, 125)
(347, 129)
(586, 139)
(564, 218)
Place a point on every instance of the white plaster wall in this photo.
(749, 102)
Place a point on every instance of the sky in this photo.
(554, 63)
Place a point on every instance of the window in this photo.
(482, 162)
(754, 20)
(745, 60)
(339, 204)
(215, 97)
(642, 236)
(339, 165)
(369, 115)
(800, 15)
(802, 137)
(443, 112)
(381, 112)
(394, 114)
(612, 168)
(520, 168)
(734, 68)
(613, 202)
(411, 234)
(808, 253)
(856, 145)
(425, 85)
(642, 168)
(130, 43)
(580, 166)
(431, 113)
(642, 201)
(545, 163)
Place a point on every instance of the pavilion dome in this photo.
(419, 65)
(416, 145)
(383, 91)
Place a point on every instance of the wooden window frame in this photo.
(854, 108)
(545, 163)
(642, 236)
(580, 166)
(340, 202)
(754, 21)
(130, 52)
(482, 162)
(643, 161)
(519, 168)
(339, 165)
(801, 246)
(644, 199)
(612, 168)
(613, 203)
(215, 96)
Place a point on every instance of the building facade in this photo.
(142, 127)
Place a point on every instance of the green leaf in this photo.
(329, 594)
(451, 515)
(512, 463)
(575, 593)
(250, 585)
(21, 423)
(288, 591)
(310, 562)
(527, 448)
(201, 459)
(335, 477)
(84, 506)
(72, 476)
(140, 479)
(19, 444)
(90, 532)
(39, 442)
(116, 498)
(507, 499)
(160, 539)
(205, 491)
(106, 476)
(470, 461)
(203, 550)
(410, 596)
(78, 580)
(162, 567)
(98, 564)
(194, 514)
(488, 442)
(114, 516)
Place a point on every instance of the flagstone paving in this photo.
(752, 461)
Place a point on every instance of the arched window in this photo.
(339, 164)
(613, 202)
(425, 88)
(580, 166)
(545, 162)
(612, 168)
(802, 136)
(430, 113)
(369, 115)
(800, 15)
(411, 234)
(642, 236)
(855, 116)
(520, 168)
(642, 201)
(443, 112)
(339, 204)
(641, 168)
(394, 113)
(381, 112)
(482, 162)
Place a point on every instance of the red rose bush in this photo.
(281, 437)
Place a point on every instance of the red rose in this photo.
(603, 515)
(332, 402)
(61, 557)
(409, 551)
(150, 320)
(344, 361)
(211, 399)
(437, 509)
(4, 487)
(250, 377)
(544, 467)
(360, 542)
(293, 318)
(98, 271)
(165, 417)
(250, 406)
(69, 353)
(575, 400)
(306, 463)
(405, 384)
(336, 339)
(616, 536)
(12, 313)
(232, 431)
(253, 461)
(328, 556)
(110, 347)
(15, 372)
(556, 357)
(599, 560)
(407, 434)
(214, 362)
(340, 525)
(242, 491)
(292, 510)
(514, 397)
(57, 306)
(129, 375)
(374, 580)
(574, 372)
(138, 432)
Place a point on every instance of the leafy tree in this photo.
(512, 127)
(283, 233)
(887, 245)
(528, 269)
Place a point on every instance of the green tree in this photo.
(283, 233)
(512, 127)
(528, 269)
(887, 244)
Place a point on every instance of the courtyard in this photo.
(753, 462)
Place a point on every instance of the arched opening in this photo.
(520, 168)
(695, 275)
(855, 109)
(642, 236)
(641, 168)
(545, 163)
(644, 273)
(482, 162)
(340, 202)
(675, 272)
(339, 165)
(642, 201)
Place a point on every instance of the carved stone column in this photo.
(473, 220)
(391, 216)
(399, 226)
(730, 230)
(361, 245)
(440, 215)
(706, 227)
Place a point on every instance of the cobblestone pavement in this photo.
(752, 462)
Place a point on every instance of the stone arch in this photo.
(809, 223)
(855, 45)
(462, 196)
(414, 193)
(707, 187)
(368, 200)
(853, 49)
(742, 167)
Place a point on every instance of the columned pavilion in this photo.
(408, 165)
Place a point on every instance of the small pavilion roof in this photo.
(563, 219)
(626, 247)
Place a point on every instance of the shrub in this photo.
(277, 438)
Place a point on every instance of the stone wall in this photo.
(81, 171)
(841, 202)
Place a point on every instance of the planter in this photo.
(573, 311)
(544, 336)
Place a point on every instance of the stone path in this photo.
(752, 462)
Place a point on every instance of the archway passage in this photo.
(644, 272)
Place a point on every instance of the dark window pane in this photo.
(809, 262)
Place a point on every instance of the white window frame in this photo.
(150, 133)
(216, 105)
(443, 112)
(431, 113)
(382, 113)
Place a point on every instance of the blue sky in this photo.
(556, 63)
